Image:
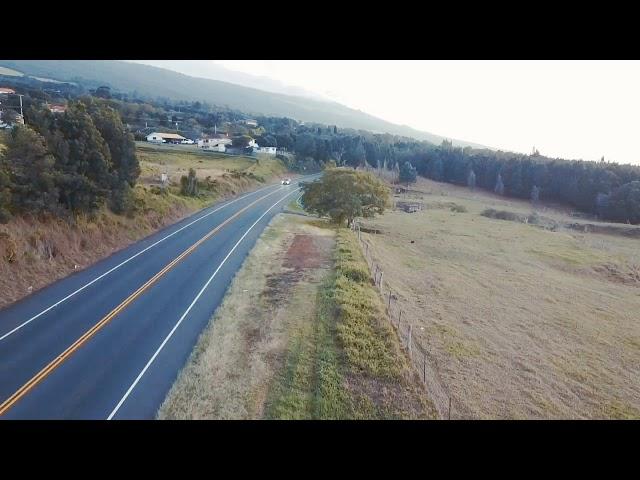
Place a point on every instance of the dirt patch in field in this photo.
(305, 252)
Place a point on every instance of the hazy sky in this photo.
(569, 109)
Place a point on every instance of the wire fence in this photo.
(418, 351)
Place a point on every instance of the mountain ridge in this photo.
(152, 81)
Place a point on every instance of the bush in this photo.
(158, 190)
(122, 201)
(503, 215)
(189, 184)
(458, 208)
(354, 271)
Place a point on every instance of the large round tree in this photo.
(345, 194)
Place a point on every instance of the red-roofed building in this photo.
(57, 108)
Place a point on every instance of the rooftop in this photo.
(171, 136)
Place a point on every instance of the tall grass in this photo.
(350, 365)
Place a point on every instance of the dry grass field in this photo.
(522, 321)
(176, 161)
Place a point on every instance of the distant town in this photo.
(11, 113)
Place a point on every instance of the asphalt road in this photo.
(109, 341)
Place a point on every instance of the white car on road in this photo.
(286, 181)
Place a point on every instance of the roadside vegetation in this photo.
(301, 334)
(348, 365)
(344, 194)
(42, 241)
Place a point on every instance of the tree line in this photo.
(606, 189)
(69, 162)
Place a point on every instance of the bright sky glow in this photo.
(568, 109)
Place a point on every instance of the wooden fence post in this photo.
(389, 301)
(424, 368)
(409, 343)
(380, 282)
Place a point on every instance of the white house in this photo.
(251, 123)
(267, 150)
(214, 144)
(156, 137)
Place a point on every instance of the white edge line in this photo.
(128, 260)
(122, 400)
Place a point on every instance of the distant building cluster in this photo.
(11, 108)
(218, 142)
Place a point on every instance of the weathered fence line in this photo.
(419, 355)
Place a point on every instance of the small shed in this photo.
(409, 207)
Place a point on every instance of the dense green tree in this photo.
(436, 170)
(471, 180)
(241, 141)
(305, 145)
(408, 173)
(103, 92)
(32, 177)
(624, 203)
(345, 194)
(5, 190)
(122, 149)
(499, 188)
(535, 195)
(189, 184)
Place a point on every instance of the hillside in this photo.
(35, 252)
(158, 82)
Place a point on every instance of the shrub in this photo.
(189, 184)
(122, 201)
(502, 215)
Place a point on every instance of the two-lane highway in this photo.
(109, 341)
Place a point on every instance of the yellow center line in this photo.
(37, 378)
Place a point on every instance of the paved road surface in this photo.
(109, 341)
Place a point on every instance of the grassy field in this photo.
(35, 252)
(286, 343)
(523, 320)
(226, 171)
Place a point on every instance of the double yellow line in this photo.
(37, 378)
